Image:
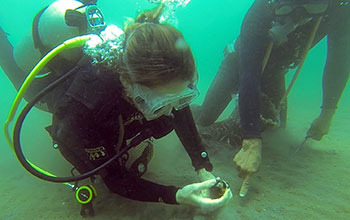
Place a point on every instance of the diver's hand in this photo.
(205, 175)
(192, 195)
(248, 161)
(320, 126)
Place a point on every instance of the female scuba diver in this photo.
(123, 88)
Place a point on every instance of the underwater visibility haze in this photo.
(313, 183)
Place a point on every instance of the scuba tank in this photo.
(54, 24)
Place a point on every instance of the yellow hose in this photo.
(46, 172)
(71, 43)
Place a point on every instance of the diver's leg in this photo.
(228, 130)
(221, 90)
(8, 63)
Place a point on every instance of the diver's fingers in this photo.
(204, 185)
(245, 185)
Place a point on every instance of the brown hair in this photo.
(156, 54)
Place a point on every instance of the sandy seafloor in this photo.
(312, 184)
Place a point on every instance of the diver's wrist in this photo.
(252, 143)
(327, 112)
(205, 175)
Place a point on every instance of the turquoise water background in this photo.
(208, 26)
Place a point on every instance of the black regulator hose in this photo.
(41, 175)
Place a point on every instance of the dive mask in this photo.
(311, 7)
(153, 104)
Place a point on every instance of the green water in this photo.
(299, 189)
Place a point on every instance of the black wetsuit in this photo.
(245, 65)
(85, 127)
